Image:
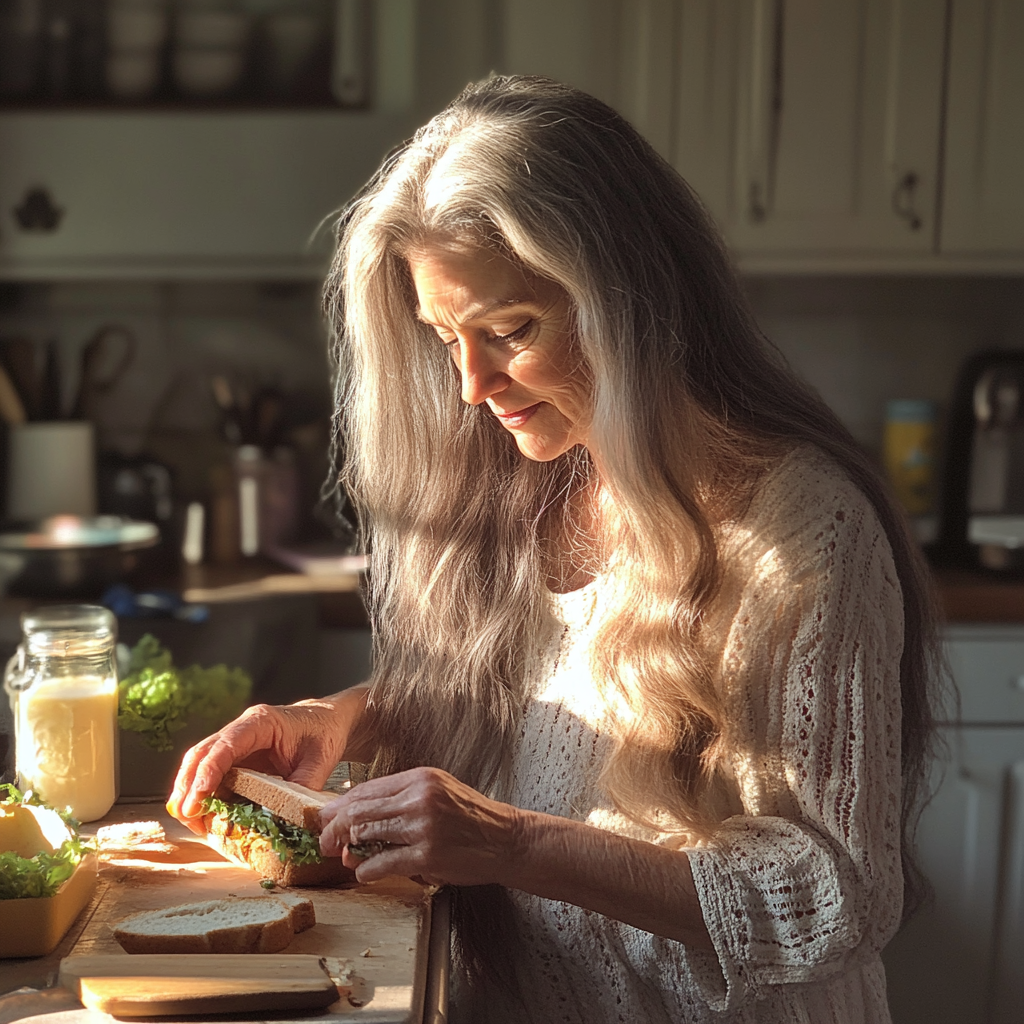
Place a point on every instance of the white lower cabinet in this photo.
(961, 959)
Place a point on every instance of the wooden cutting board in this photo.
(373, 937)
(151, 985)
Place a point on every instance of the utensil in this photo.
(18, 358)
(12, 412)
(102, 366)
(268, 410)
(50, 401)
(224, 396)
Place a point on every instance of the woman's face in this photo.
(509, 334)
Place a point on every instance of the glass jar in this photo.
(62, 683)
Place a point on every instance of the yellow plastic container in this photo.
(34, 927)
(909, 452)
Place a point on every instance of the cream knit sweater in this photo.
(800, 889)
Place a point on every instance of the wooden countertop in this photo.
(339, 596)
(971, 597)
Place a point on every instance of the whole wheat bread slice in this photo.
(235, 924)
(296, 804)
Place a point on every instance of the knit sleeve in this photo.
(808, 880)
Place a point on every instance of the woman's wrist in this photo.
(638, 883)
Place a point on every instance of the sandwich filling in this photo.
(288, 841)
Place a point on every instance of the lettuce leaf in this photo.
(287, 840)
(42, 875)
(156, 699)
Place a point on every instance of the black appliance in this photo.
(982, 509)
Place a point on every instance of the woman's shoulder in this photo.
(807, 505)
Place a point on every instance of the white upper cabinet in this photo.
(837, 126)
(983, 202)
(808, 126)
(168, 195)
(877, 135)
(220, 193)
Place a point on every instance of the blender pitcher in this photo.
(62, 684)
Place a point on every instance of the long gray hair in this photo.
(690, 406)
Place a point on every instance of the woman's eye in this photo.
(517, 335)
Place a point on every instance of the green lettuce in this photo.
(156, 699)
(286, 840)
(43, 874)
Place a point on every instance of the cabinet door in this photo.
(169, 194)
(940, 967)
(838, 116)
(983, 202)
(1008, 987)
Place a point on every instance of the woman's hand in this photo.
(301, 742)
(441, 830)
(446, 833)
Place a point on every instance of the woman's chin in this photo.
(538, 448)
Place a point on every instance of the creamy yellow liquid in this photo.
(66, 733)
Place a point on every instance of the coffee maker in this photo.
(981, 515)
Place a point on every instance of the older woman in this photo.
(652, 647)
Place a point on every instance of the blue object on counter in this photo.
(125, 603)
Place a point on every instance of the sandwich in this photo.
(272, 826)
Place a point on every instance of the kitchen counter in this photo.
(389, 938)
(972, 597)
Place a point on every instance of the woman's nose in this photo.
(482, 376)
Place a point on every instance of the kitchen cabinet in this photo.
(171, 194)
(167, 195)
(983, 203)
(958, 960)
(821, 137)
(807, 127)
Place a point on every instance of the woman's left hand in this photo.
(440, 829)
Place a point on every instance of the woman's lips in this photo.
(519, 417)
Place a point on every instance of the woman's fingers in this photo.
(183, 784)
(375, 806)
(435, 826)
(205, 764)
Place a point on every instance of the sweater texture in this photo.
(802, 887)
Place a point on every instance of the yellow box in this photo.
(909, 453)
(34, 927)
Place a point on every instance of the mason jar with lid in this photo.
(62, 683)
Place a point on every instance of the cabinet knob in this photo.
(903, 200)
(38, 212)
(1018, 683)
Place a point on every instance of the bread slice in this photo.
(235, 924)
(251, 850)
(296, 804)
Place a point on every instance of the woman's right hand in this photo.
(301, 742)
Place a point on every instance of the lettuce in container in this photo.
(47, 874)
(156, 699)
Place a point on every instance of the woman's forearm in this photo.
(350, 703)
(638, 883)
